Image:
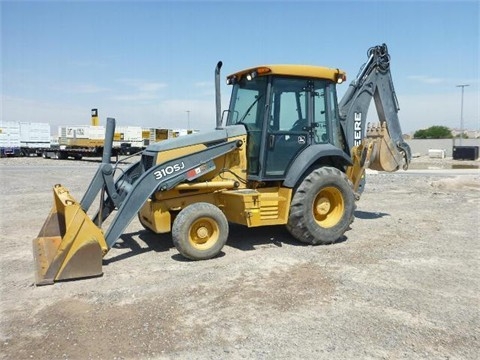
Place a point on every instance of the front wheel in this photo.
(322, 208)
(200, 231)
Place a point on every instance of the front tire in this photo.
(322, 208)
(200, 231)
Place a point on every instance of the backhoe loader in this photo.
(284, 153)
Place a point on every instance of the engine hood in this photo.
(214, 136)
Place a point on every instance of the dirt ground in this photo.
(403, 284)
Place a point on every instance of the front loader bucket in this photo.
(69, 245)
(386, 155)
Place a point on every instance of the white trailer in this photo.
(153, 135)
(88, 140)
(77, 141)
(128, 139)
(9, 138)
(183, 132)
(34, 137)
(81, 134)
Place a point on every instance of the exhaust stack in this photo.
(218, 103)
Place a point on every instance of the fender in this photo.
(311, 155)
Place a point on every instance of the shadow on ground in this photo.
(367, 215)
(240, 237)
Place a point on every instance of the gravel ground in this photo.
(402, 284)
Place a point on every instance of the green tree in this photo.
(433, 132)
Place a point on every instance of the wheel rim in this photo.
(328, 207)
(204, 233)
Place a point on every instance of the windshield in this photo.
(247, 103)
(283, 115)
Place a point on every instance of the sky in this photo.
(151, 63)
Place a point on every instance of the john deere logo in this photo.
(357, 129)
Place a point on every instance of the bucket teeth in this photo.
(375, 130)
(385, 155)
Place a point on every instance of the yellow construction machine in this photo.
(284, 153)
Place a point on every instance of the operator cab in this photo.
(285, 109)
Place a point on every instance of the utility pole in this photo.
(461, 112)
(188, 119)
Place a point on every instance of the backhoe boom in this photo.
(378, 146)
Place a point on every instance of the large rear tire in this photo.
(322, 208)
(200, 231)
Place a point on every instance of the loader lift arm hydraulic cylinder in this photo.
(105, 169)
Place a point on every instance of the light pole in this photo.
(188, 119)
(461, 112)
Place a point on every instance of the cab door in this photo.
(296, 120)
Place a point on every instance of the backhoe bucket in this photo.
(69, 245)
(386, 155)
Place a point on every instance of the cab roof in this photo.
(310, 71)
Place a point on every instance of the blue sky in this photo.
(148, 63)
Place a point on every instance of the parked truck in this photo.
(77, 141)
(9, 139)
(34, 136)
(24, 138)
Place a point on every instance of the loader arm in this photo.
(99, 178)
(116, 191)
(70, 245)
(156, 178)
(377, 146)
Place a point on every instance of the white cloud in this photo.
(88, 63)
(139, 96)
(78, 88)
(139, 90)
(204, 84)
(427, 79)
(56, 114)
(170, 114)
(422, 111)
(86, 89)
(165, 114)
(143, 85)
(446, 82)
(416, 111)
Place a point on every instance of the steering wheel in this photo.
(299, 125)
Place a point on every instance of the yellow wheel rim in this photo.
(328, 207)
(204, 233)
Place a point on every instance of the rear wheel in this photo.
(200, 231)
(60, 155)
(322, 208)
